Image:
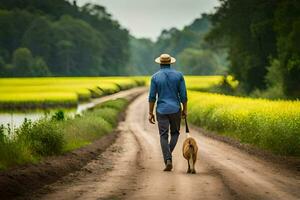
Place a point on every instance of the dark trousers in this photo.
(166, 122)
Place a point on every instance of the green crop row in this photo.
(271, 125)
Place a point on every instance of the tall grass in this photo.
(271, 125)
(55, 135)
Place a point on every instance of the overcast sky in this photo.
(147, 18)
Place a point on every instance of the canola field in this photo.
(268, 124)
(31, 93)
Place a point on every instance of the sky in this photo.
(147, 18)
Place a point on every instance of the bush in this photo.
(46, 138)
(59, 116)
(2, 134)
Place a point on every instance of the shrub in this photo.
(43, 137)
(59, 116)
(46, 138)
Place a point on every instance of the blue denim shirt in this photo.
(169, 86)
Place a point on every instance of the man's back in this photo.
(169, 85)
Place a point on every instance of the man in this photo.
(169, 87)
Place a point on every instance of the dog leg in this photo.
(191, 164)
(193, 171)
(189, 168)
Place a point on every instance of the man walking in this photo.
(169, 87)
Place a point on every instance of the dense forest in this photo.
(58, 38)
(194, 55)
(55, 37)
(263, 42)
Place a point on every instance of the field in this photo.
(28, 93)
(203, 83)
(271, 125)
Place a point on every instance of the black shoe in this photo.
(169, 166)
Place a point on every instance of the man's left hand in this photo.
(151, 118)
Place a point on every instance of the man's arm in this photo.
(152, 100)
(151, 115)
(183, 97)
(184, 110)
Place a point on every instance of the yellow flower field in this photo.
(272, 125)
(19, 93)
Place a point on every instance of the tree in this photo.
(198, 62)
(22, 62)
(71, 40)
(39, 38)
(246, 29)
(287, 27)
(78, 48)
(13, 24)
(40, 68)
(141, 56)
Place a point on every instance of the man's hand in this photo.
(151, 118)
(184, 110)
(184, 114)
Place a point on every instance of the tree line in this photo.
(263, 43)
(58, 38)
(55, 37)
(194, 55)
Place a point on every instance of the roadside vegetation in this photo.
(31, 93)
(270, 125)
(54, 135)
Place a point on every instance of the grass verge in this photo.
(55, 135)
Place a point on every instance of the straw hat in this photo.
(165, 59)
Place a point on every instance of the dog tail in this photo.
(191, 145)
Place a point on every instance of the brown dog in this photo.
(189, 151)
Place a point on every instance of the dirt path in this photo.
(132, 169)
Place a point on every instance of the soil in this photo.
(132, 168)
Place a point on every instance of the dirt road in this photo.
(132, 169)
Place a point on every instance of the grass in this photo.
(30, 93)
(271, 125)
(56, 135)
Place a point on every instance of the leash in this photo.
(187, 130)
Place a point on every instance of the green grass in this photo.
(55, 135)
